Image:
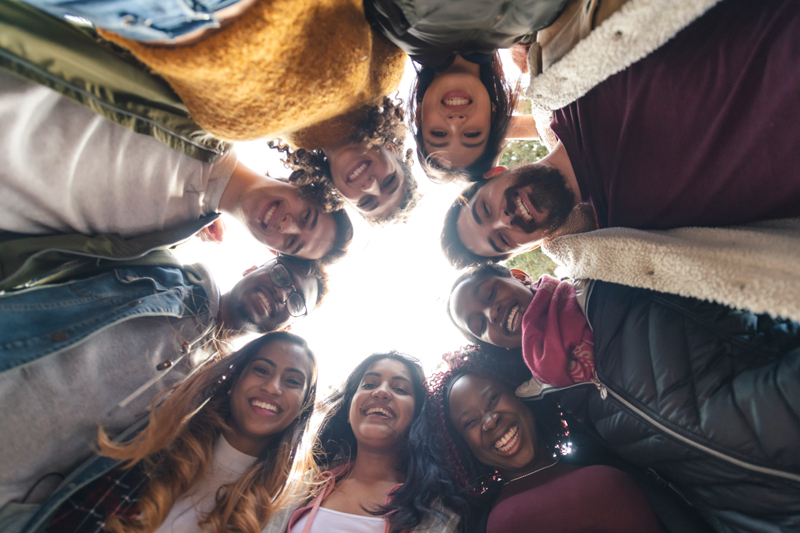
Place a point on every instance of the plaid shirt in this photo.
(116, 492)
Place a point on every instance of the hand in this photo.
(213, 232)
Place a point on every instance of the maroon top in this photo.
(705, 131)
(594, 499)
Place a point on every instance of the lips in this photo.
(508, 441)
(379, 410)
(456, 100)
(356, 171)
(265, 407)
(262, 303)
(524, 207)
(269, 213)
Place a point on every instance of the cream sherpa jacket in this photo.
(637, 29)
(754, 267)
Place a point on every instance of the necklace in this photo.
(534, 472)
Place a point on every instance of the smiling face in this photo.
(497, 427)
(268, 395)
(455, 116)
(382, 408)
(257, 305)
(515, 210)
(491, 308)
(369, 178)
(278, 216)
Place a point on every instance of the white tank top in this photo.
(328, 521)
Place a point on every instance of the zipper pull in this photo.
(602, 388)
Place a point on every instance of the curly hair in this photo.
(176, 449)
(308, 268)
(471, 477)
(383, 124)
(504, 100)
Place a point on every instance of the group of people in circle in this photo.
(656, 390)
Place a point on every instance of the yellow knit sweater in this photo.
(283, 66)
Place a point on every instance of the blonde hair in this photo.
(177, 448)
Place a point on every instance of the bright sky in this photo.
(388, 293)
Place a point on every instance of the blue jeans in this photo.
(140, 20)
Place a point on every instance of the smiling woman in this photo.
(217, 452)
(372, 479)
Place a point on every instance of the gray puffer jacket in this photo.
(431, 31)
(706, 395)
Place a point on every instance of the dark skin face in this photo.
(497, 427)
(256, 305)
(491, 308)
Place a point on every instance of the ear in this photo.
(249, 270)
(532, 248)
(522, 276)
(494, 172)
(391, 148)
(286, 328)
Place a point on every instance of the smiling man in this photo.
(699, 132)
(96, 347)
(66, 169)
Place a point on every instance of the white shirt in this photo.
(228, 465)
(329, 521)
(66, 169)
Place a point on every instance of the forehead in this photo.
(455, 155)
(286, 354)
(466, 392)
(388, 368)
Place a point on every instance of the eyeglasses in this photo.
(281, 278)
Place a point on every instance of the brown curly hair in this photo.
(471, 477)
(383, 124)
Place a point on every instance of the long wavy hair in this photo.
(424, 479)
(383, 124)
(177, 448)
(470, 477)
(504, 100)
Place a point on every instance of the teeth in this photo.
(264, 405)
(265, 301)
(507, 441)
(378, 410)
(456, 101)
(357, 172)
(269, 213)
(523, 210)
(511, 316)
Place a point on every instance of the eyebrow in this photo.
(273, 365)
(314, 222)
(300, 246)
(495, 247)
(475, 213)
(372, 205)
(393, 377)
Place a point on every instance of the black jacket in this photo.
(431, 31)
(706, 395)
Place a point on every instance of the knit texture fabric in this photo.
(282, 66)
(753, 267)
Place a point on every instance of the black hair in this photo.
(504, 100)
(308, 268)
(423, 477)
(453, 248)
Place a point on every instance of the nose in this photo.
(272, 385)
(381, 392)
(370, 186)
(282, 294)
(288, 225)
(489, 421)
(456, 119)
(502, 221)
(493, 314)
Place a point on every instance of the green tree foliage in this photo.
(522, 153)
(534, 263)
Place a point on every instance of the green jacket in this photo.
(73, 61)
(27, 261)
